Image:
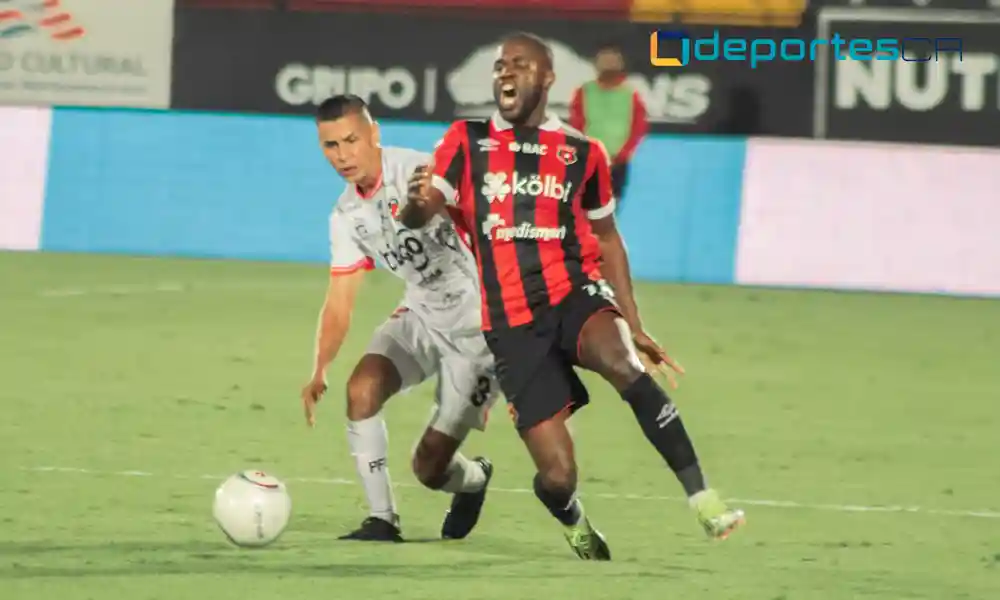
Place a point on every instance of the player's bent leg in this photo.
(465, 393)
(375, 379)
(551, 447)
(542, 391)
(439, 466)
(605, 345)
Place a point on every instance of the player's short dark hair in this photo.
(339, 106)
(609, 47)
(532, 39)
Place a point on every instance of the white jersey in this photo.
(442, 284)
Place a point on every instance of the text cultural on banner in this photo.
(86, 52)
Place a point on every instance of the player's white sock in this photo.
(464, 475)
(369, 442)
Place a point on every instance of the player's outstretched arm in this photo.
(423, 199)
(618, 273)
(334, 322)
(615, 268)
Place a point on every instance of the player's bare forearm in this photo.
(421, 208)
(616, 270)
(330, 335)
(331, 332)
(423, 200)
(335, 318)
(414, 216)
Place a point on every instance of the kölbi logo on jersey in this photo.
(496, 188)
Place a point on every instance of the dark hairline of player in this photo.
(340, 106)
(538, 46)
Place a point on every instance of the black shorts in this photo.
(535, 362)
(619, 179)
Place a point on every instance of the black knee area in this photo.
(558, 497)
(622, 371)
(645, 394)
(560, 481)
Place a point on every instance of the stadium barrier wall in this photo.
(870, 216)
(257, 187)
(699, 209)
(24, 147)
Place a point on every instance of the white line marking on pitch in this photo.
(173, 287)
(114, 290)
(981, 514)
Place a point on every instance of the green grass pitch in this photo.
(860, 431)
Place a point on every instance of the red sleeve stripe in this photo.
(449, 161)
(365, 263)
(577, 116)
(639, 129)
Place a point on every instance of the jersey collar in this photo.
(375, 188)
(551, 123)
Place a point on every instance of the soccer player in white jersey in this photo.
(435, 330)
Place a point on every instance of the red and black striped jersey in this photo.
(525, 196)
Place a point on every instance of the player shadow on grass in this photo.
(231, 565)
(136, 559)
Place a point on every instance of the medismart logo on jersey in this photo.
(495, 228)
(685, 49)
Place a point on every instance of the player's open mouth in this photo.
(508, 95)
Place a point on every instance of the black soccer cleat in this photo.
(374, 529)
(465, 509)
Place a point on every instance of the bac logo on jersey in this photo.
(393, 207)
(566, 154)
(533, 149)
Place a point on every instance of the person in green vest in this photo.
(609, 109)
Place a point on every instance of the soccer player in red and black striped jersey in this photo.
(535, 198)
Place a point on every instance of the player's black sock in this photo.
(561, 503)
(663, 427)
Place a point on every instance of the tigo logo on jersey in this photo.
(496, 188)
(24, 17)
(495, 228)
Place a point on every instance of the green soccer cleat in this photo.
(717, 519)
(587, 542)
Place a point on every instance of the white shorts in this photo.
(467, 386)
